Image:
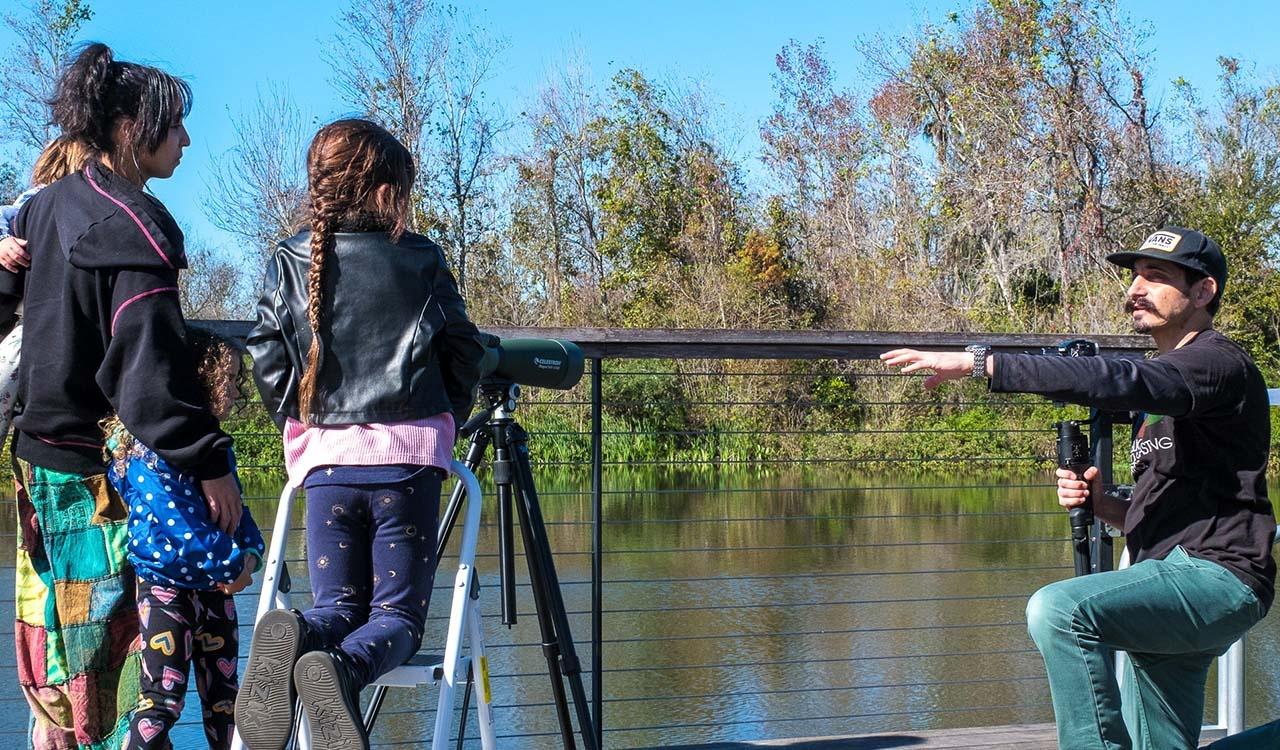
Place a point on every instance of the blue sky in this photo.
(228, 48)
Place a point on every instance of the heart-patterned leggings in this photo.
(181, 626)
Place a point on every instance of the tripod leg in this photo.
(546, 625)
(502, 479)
(475, 454)
(552, 617)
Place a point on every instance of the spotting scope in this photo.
(541, 363)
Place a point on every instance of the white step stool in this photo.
(448, 671)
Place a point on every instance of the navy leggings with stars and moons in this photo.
(371, 546)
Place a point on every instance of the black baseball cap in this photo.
(1184, 247)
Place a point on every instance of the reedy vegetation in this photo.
(975, 183)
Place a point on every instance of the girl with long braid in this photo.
(364, 356)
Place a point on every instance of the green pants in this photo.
(1171, 616)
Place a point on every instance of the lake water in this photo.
(740, 606)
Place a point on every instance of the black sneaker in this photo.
(331, 701)
(264, 705)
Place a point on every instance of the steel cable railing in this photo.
(779, 548)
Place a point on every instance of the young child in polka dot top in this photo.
(187, 568)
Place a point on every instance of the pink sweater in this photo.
(421, 442)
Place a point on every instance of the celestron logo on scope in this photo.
(547, 364)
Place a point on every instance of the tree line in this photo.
(976, 181)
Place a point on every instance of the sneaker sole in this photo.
(334, 724)
(264, 705)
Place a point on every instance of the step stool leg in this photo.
(466, 701)
(451, 667)
(480, 677)
(271, 595)
(274, 595)
(302, 735)
(375, 705)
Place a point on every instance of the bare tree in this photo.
(1040, 166)
(464, 159)
(817, 146)
(419, 70)
(44, 35)
(556, 222)
(385, 60)
(257, 190)
(212, 287)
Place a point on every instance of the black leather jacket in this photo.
(396, 344)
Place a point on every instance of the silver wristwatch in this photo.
(980, 353)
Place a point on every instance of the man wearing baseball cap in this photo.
(1199, 525)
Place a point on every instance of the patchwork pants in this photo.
(76, 627)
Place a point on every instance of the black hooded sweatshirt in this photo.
(103, 330)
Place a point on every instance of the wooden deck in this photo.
(1013, 737)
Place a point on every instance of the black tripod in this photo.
(1073, 455)
(514, 479)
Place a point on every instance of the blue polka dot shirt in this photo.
(172, 540)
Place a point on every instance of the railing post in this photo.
(1231, 664)
(1100, 429)
(1231, 688)
(597, 549)
(1235, 697)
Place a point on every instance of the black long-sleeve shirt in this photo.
(103, 330)
(1200, 456)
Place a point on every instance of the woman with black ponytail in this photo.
(104, 333)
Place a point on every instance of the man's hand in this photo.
(944, 365)
(225, 504)
(1074, 491)
(241, 583)
(13, 254)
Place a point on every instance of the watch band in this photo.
(980, 353)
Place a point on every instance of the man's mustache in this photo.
(1136, 304)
